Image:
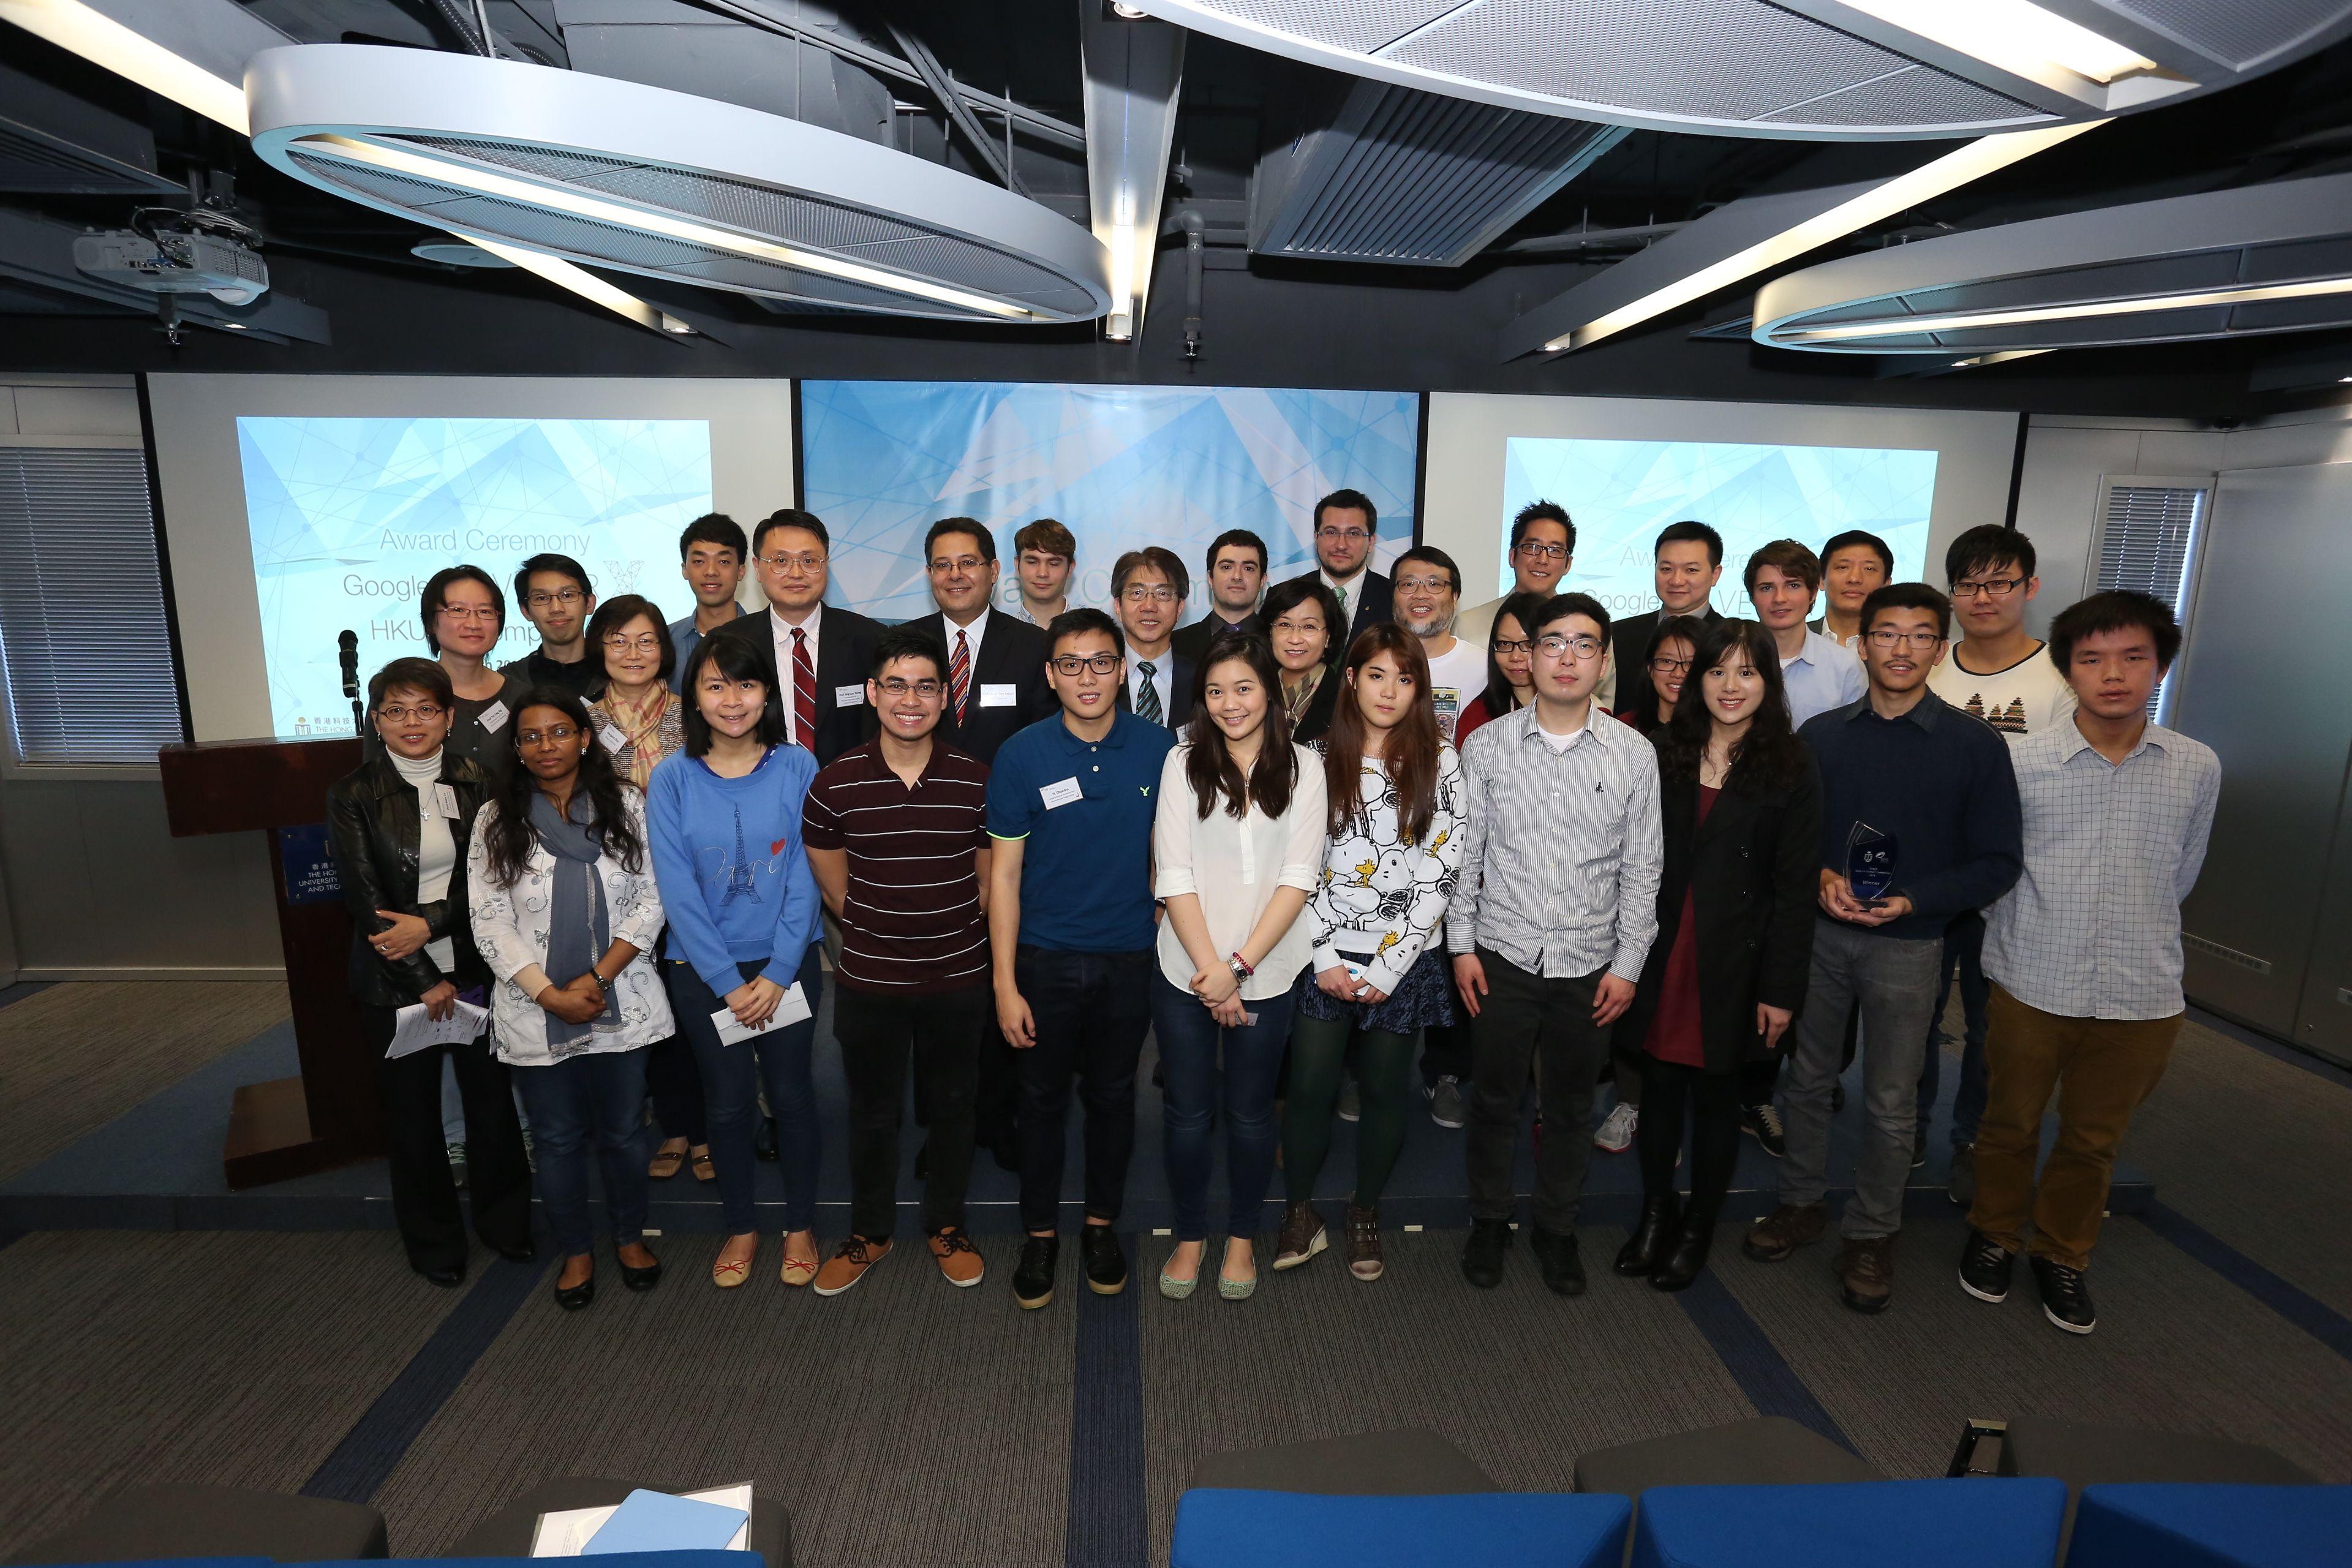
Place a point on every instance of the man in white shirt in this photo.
(1543, 548)
(995, 663)
(1042, 555)
(1346, 526)
(1428, 587)
(817, 658)
(1782, 580)
(1149, 586)
(1853, 565)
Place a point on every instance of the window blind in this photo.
(82, 632)
(2146, 541)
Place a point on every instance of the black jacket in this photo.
(372, 828)
(1754, 870)
(1182, 672)
(1011, 654)
(845, 657)
(1192, 640)
(1371, 599)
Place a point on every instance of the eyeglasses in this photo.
(1139, 594)
(424, 713)
(1558, 647)
(472, 611)
(555, 734)
(1669, 666)
(1514, 645)
(1342, 535)
(1424, 585)
(804, 562)
(1918, 642)
(646, 644)
(567, 598)
(960, 563)
(1990, 588)
(1537, 549)
(896, 687)
(1073, 664)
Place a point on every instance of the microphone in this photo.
(350, 643)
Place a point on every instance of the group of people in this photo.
(1333, 823)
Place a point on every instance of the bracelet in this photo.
(1241, 966)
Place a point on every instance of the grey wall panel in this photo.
(2324, 1020)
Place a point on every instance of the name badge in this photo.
(789, 1009)
(1060, 795)
(444, 802)
(494, 717)
(1000, 695)
(609, 735)
(849, 696)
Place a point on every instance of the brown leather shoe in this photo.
(1866, 1271)
(848, 1264)
(1364, 1242)
(959, 1260)
(1785, 1229)
(1302, 1236)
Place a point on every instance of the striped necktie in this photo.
(804, 691)
(1147, 695)
(959, 676)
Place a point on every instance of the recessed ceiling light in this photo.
(580, 281)
(1129, 13)
(2013, 34)
(2079, 309)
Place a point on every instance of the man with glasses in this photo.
(1552, 919)
(1685, 565)
(996, 663)
(712, 556)
(1044, 552)
(1237, 568)
(1345, 528)
(2003, 675)
(1543, 547)
(1149, 586)
(893, 831)
(1428, 589)
(1935, 789)
(1782, 580)
(1855, 564)
(1071, 928)
(553, 592)
(816, 659)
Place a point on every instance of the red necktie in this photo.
(804, 691)
(960, 677)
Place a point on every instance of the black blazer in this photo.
(373, 829)
(1374, 599)
(1754, 871)
(1316, 722)
(844, 656)
(1191, 641)
(1011, 654)
(1182, 671)
(1629, 637)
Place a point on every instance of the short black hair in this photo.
(1542, 511)
(908, 641)
(1854, 536)
(615, 613)
(1560, 605)
(548, 561)
(2114, 610)
(1436, 557)
(1084, 618)
(1241, 536)
(1986, 545)
(1689, 532)
(790, 517)
(414, 675)
(1287, 596)
(970, 525)
(1908, 596)
(737, 658)
(436, 595)
(714, 528)
(1353, 500)
(1167, 562)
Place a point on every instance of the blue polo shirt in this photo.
(1085, 864)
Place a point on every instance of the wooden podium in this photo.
(292, 1126)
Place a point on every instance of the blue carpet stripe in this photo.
(1104, 1526)
(1763, 1375)
(2297, 1306)
(376, 1443)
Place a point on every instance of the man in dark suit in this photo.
(1236, 579)
(995, 663)
(1148, 587)
(1687, 561)
(816, 656)
(1345, 524)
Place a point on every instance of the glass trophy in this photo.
(1869, 862)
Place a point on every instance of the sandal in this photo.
(665, 1163)
(704, 1171)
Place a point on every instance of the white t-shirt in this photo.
(1456, 680)
(436, 847)
(2024, 700)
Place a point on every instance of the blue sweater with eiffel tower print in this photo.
(734, 879)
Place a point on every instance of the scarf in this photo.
(1294, 703)
(641, 727)
(578, 929)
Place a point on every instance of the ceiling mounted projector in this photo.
(1867, 70)
(617, 174)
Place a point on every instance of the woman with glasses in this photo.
(567, 913)
(464, 612)
(1378, 972)
(638, 722)
(1300, 617)
(1739, 807)
(399, 827)
(1650, 705)
(742, 903)
(1509, 681)
(1237, 845)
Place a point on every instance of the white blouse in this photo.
(1380, 894)
(1235, 866)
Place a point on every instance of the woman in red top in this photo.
(1509, 653)
(1740, 805)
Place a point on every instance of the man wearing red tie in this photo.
(819, 655)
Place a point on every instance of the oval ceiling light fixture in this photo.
(1851, 70)
(640, 179)
(2261, 258)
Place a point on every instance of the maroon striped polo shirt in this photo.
(912, 921)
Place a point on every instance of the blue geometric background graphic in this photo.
(350, 516)
(1121, 467)
(1620, 493)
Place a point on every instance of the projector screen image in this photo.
(1620, 493)
(1121, 467)
(350, 516)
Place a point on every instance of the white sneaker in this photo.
(1616, 1134)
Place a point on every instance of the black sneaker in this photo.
(2065, 1299)
(1960, 1186)
(1761, 1122)
(1033, 1280)
(1985, 1266)
(1563, 1271)
(1482, 1255)
(1105, 1264)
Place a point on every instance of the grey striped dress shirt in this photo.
(1560, 864)
(2092, 929)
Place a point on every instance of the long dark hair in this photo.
(1522, 607)
(1411, 754)
(509, 838)
(1770, 756)
(1642, 713)
(738, 659)
(1209, 766)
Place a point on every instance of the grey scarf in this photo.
(578, 930)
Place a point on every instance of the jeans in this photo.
(1189, 1040)
(598, 1096)
(1091, 1011)
(1524, 1022)
(879, 1031)
(1714, 1099)
(423, 1193)
(1964, 951)
(780, 1059)
(1894, 979)
(1384, 1084)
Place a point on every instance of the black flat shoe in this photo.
(1687, 1259)
(1652, 1233)
(448, 1278)
(525, 1253)
(578, 1296)
(644, 1278)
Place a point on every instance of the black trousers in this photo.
(1092, 1011)
(1524, 1020)
(880, 1032)
(676, 1085)
(1712, 1101)
(424, 1194)
(1445, 1052)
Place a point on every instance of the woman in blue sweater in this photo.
(724, 817)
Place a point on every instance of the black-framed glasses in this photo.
(1424, 585)
(1074, 664)
(541, 599)
(424, 713)
(1918, 642)
(1514, 645)
(896, 686)
(1537, 549)
(1987, 588)
(1662, 666)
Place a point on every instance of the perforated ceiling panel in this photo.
(2239, 32)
